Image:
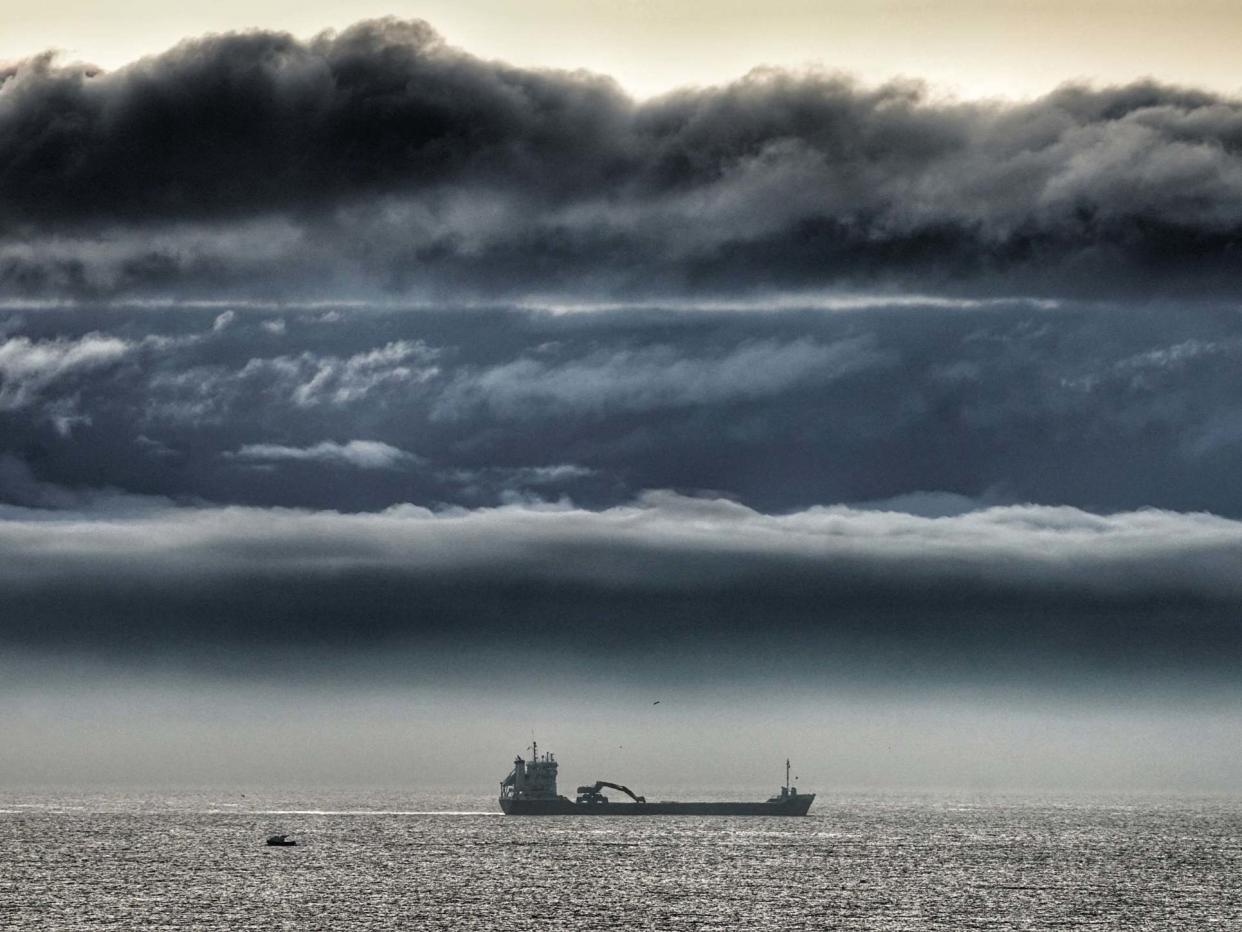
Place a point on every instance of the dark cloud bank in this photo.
(381, 161)
(1003, 481)
(1030, 494)
(934, 409)
(669, 586)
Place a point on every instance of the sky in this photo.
(971, 48)
(369, 386)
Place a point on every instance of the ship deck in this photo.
(792, 806)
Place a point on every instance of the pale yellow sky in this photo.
(971, 48)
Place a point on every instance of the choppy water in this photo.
(441, 862)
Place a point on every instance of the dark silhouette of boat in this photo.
(530, 789)
(280, 841)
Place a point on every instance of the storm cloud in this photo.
(380, 161)
(1106, 408)
(959, 493)
(1143, 554)
(1022, 592)
(366, 348)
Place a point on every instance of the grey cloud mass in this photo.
(662, 539)
(381, 161)
(1031, 592)
(361, 346)
(909, 492)
(1103, 407)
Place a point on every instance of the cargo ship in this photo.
(530, 789)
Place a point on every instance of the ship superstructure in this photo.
(533, 779)
(530, 789)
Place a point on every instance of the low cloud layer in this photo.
(664, 539)
(380, 161)
(831, 592)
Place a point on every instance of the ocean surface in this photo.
(424, 861)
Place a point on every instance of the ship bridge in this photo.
(531, 779)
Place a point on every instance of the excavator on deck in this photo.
(591, 794)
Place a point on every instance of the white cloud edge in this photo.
(660, 538)
(361, 454)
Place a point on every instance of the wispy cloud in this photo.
(27, 367)
(656, 377)
(362, 454)
(1101, 407)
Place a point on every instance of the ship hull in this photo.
(793, 806)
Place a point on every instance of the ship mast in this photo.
(786, 773)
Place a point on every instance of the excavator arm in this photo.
(591, 792)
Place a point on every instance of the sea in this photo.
(421, 861)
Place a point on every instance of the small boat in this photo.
(280, 841)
